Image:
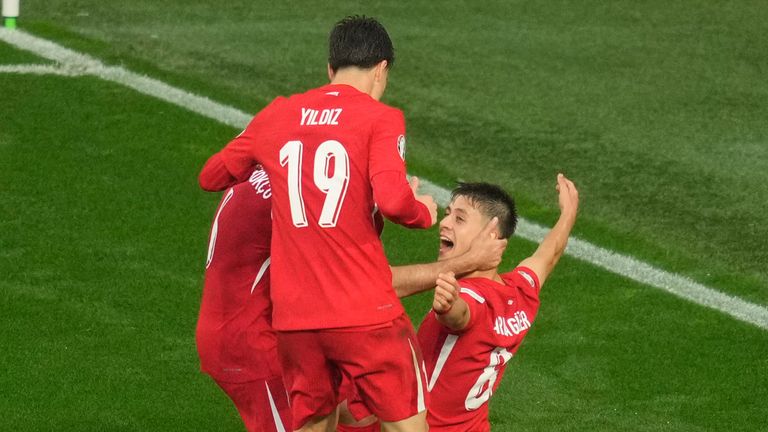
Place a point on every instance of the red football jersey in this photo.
(464, 368)
(331, 153)
(234, 336)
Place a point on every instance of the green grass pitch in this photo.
(657, 110)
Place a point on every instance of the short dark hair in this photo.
(490, 200)
(359, 41)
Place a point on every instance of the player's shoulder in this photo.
(388, 111)
(522, 274)
(477, 290)
(524, 279)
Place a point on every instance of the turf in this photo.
(100, 265)
(655, 109)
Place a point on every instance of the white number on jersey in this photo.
(483, 388)
(290, 155)
(334, 187)
(215, 229)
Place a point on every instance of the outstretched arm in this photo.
(484, 253)
(215, 176)
(551, 248)
(400, 203)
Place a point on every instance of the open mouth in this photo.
(446, 244)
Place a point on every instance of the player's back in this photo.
(234, 336)
(465, 368)
(321, 149)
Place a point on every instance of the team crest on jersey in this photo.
(527, 277)
(401, 146)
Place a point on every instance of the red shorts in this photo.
(382, 361)
(263, 404)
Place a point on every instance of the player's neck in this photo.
(361, 79)
(492, 274)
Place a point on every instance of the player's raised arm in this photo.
(484, 253)
(551, 248)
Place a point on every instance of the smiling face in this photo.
(462, 222)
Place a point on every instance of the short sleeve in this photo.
(476, 304)
(525, 279)
(387, 149)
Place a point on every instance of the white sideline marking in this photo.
(36, 69)
(620, 264)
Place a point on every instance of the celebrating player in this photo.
(235, 340)
(333, 154)
(234, 335)
(478, 322)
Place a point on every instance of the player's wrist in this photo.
(443, 312)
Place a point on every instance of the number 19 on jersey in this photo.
(330, 154)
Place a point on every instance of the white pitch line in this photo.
(620, 264)
(37, 69)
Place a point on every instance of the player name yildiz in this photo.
(312, 117)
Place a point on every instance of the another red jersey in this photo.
(234, 336)
(332, 153)
(465, 368)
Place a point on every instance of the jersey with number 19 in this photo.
(465, 368)
(332, 154)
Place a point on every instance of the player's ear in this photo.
(331, 73)
(380, 70)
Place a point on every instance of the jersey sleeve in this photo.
(396, 202)
(237, 158)
(386, 168)
(387, 149)
(214, 176)
(476, 304)
(525, 279)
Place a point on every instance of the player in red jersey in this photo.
(478, 322)
(333, 154)
(235, 340)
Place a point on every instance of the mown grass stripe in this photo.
(603, 258)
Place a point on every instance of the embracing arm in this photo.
(484, 253)
(215, 176)
(399, 203)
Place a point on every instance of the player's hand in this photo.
(427, 200)
(446, 293)
(486, 249)
(569, 196)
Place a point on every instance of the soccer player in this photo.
(477, 323)
(334, 154)
(235, 339)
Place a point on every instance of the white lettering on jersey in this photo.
(311, 117)
(260, 182)
(508, 326)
